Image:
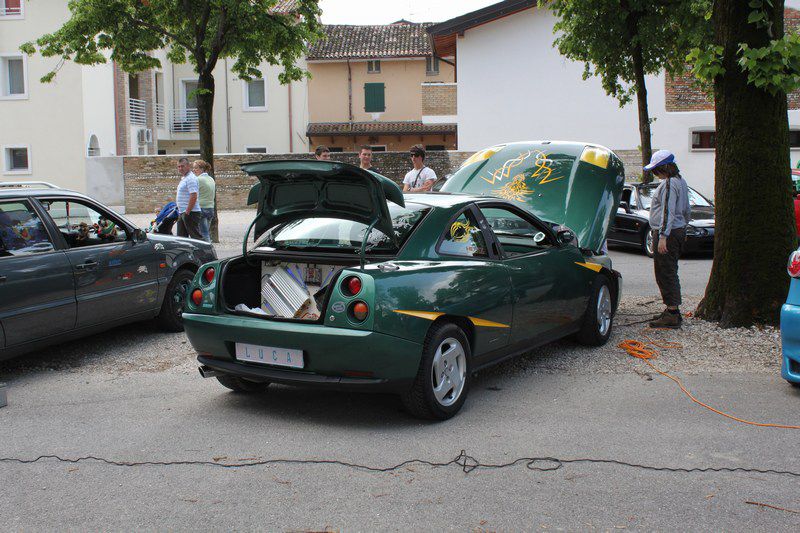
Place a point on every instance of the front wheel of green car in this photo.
(238, 384)
(170, 318)
(442, 382)
(599, 317)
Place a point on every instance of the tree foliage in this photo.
(599, 34)
(200, 31)
(621, 41)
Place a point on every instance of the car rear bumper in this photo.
(333, 357)
(699, 244)
(790, 342)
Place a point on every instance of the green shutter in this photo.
(374, 98)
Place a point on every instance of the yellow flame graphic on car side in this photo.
(505, 170)
(460, 231)
(517, 190)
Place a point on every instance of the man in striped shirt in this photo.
(669, 215)
(190, 214)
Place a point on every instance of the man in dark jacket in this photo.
(669, 215)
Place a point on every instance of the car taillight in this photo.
(794, 264)
(197, 296)
(209, 274)
(360, 311)
(352, 285)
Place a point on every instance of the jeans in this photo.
(205, 223)
(189, 225)
(666, 266)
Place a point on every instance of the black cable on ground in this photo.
(466, 462)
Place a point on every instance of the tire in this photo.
(599, 317)
(794, 384)
(237, 384)
(169, 318)
(446, 350)
(648, 245)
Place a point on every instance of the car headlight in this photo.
(691, 230)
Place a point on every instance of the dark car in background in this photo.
(631, 227)
(70, 266)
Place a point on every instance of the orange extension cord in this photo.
(647, 351)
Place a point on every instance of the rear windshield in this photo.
(331, 234)
(695, 198)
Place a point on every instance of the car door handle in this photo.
(2, 278)
(87, 265)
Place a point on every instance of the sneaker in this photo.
(667, 320)
(659, 315)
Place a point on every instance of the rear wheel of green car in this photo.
(238, 384)
(599, 317)
(442, 382)
(170, 318)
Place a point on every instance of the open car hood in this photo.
(291, 190)
(577, 185)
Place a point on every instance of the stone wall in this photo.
(439, 99)
(150, 181)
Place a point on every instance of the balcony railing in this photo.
(161, 116)
(183, 121)
(137, 109)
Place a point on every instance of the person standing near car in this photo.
(208, 189)
(420, 178)
(190, 215)
(365, 159)
(322, 153)
(669, 215)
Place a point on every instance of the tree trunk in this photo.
(644, 114)
(632, 23)
(754, 215)
(205, 111)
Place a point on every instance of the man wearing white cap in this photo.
(669, 215)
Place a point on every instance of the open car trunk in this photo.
(271, 287)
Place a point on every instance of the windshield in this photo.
(695, 198)
(335, 233)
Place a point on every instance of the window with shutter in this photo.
(374, 98)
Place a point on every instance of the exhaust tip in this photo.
(208, 372)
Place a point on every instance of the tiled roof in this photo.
(372, 42)
(377, 128)
(285, 6)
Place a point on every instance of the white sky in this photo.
(387, 11)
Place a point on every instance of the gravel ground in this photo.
(703, 348)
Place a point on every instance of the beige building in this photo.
(157, 112)
(381, 86)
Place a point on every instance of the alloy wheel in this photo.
(603, 310)
(179, 296)
(648, 243)
(449, 371)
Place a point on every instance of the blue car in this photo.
(790, 324)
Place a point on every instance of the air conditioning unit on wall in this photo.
(144, 136)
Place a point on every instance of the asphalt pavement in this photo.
(563, 438)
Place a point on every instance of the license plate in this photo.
(269, 355)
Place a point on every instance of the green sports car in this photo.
(351, 284)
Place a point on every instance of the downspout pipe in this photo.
(227, 110)
(291, 123)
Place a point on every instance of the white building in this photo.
(514, 85)
(49, 131)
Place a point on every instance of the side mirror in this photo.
(565, 236)
(139, 235)
(625, 207)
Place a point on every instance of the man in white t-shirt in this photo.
(420, 178)
(189, 213)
